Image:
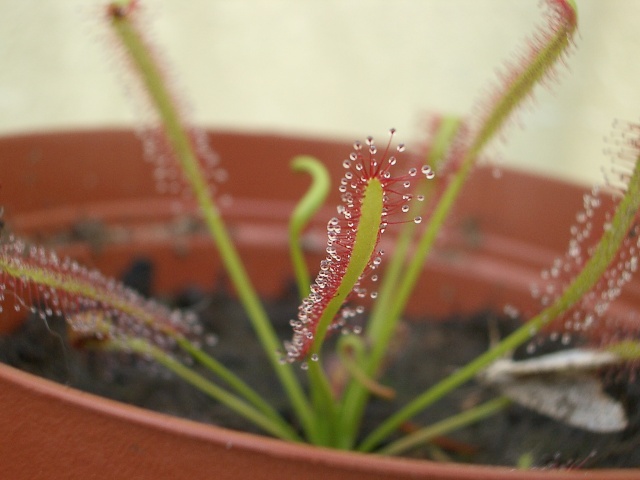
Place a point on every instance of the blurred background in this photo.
(329, 68)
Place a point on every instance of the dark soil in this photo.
(424, 353)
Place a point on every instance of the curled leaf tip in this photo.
(306, 208)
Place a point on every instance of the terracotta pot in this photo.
(56, 183)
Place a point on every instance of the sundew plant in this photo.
(381, 189)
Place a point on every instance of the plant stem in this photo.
(603, 254)
(306, 208)
(324, 404)
(229, 377)
(275, 426)
(445, 426)
(184, 151)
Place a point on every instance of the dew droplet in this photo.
(417, 220)
(427, 172)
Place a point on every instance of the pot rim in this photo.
(258, 444)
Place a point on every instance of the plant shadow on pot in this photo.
(491, 253)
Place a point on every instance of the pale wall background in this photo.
(344, 68)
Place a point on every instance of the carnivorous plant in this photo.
(380, 190)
